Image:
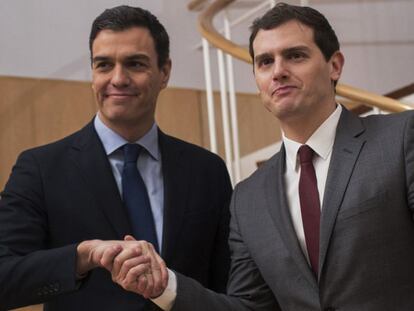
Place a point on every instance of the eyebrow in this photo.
(141, 57)
(299, 48)
(262, 56)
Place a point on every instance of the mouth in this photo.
(119, 95)
(283, 90)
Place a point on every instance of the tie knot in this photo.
(131, 152)
(305, 154)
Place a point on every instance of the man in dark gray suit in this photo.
(326, 223)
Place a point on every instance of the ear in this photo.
(337, 63)
(165, 71)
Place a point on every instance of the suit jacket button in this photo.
(57, 286)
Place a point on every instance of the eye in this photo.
(296, 56)
(103, 66)
(264, 61)
(134, 64)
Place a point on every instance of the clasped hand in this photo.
(134, 265)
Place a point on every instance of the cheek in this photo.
(95, 89)
(319, 75)
(98, 83)
(262, 85)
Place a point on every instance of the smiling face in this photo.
(294, 79)
(126, 79)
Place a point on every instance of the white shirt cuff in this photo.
(166, 300)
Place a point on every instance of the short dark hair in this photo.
(124, 17)
(323, 34)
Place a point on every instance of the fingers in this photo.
(134, 265)
(128, 252)
(137, 279)
(102, 253)
(153, 283)
(147, 293)
(159, 274)
(108, 256)
(136, 268)
(129, 264)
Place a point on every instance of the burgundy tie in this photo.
(309, 205)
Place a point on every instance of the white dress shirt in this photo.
(321, 142)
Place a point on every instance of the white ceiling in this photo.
(49, 39)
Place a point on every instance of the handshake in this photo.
(134, 265)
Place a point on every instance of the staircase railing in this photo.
(215, 38)
(208, 31)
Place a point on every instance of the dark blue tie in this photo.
(136, 198)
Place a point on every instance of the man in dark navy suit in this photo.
(63, 210)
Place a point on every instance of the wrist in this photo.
(84, 262)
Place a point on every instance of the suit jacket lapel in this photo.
(89, 155)
(345, 152)
(176, 185)
(278, 208)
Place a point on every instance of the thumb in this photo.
(129, 238)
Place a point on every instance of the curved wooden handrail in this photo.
(207, 30)
(404, 91)
(195, 5)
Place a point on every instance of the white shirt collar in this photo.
(321, 141)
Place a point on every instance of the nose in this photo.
(280, 70)
(120, 77)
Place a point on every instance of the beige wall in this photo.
(36, 111)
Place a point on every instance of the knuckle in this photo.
(124, 284)
(118, 261)
(128, 264)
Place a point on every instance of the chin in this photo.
(284, 111)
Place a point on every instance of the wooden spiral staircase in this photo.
(209, 32)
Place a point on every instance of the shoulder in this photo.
(60, 147)
(392, 118)
(392, 124)
(255, 182)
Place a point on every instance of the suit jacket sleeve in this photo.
(24, 240)
(409, 161)
(246, 289)
(220, 262)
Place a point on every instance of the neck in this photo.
(301, 128)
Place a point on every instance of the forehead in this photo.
(134, 39)
(289, 34)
